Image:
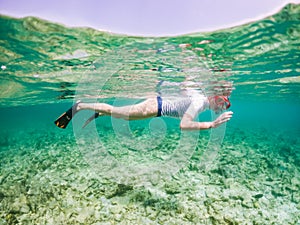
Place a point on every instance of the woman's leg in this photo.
(143, 110)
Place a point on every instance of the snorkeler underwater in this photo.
(198, 128)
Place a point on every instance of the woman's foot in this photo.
(65, 118)
(94, 116)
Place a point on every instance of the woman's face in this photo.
(219, 103)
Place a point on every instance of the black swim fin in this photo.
(65, 118)
(94, 116)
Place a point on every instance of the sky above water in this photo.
(146, 17)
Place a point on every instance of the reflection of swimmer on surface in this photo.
(186, 107)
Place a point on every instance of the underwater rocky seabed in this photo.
(254, 180)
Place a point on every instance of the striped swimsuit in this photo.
(177, 107)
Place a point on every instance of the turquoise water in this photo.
(149, 172)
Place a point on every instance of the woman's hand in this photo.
(223, 118)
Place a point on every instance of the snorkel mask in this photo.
(222, 102)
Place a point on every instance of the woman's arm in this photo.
(187, 122)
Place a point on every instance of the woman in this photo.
(186, 108)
